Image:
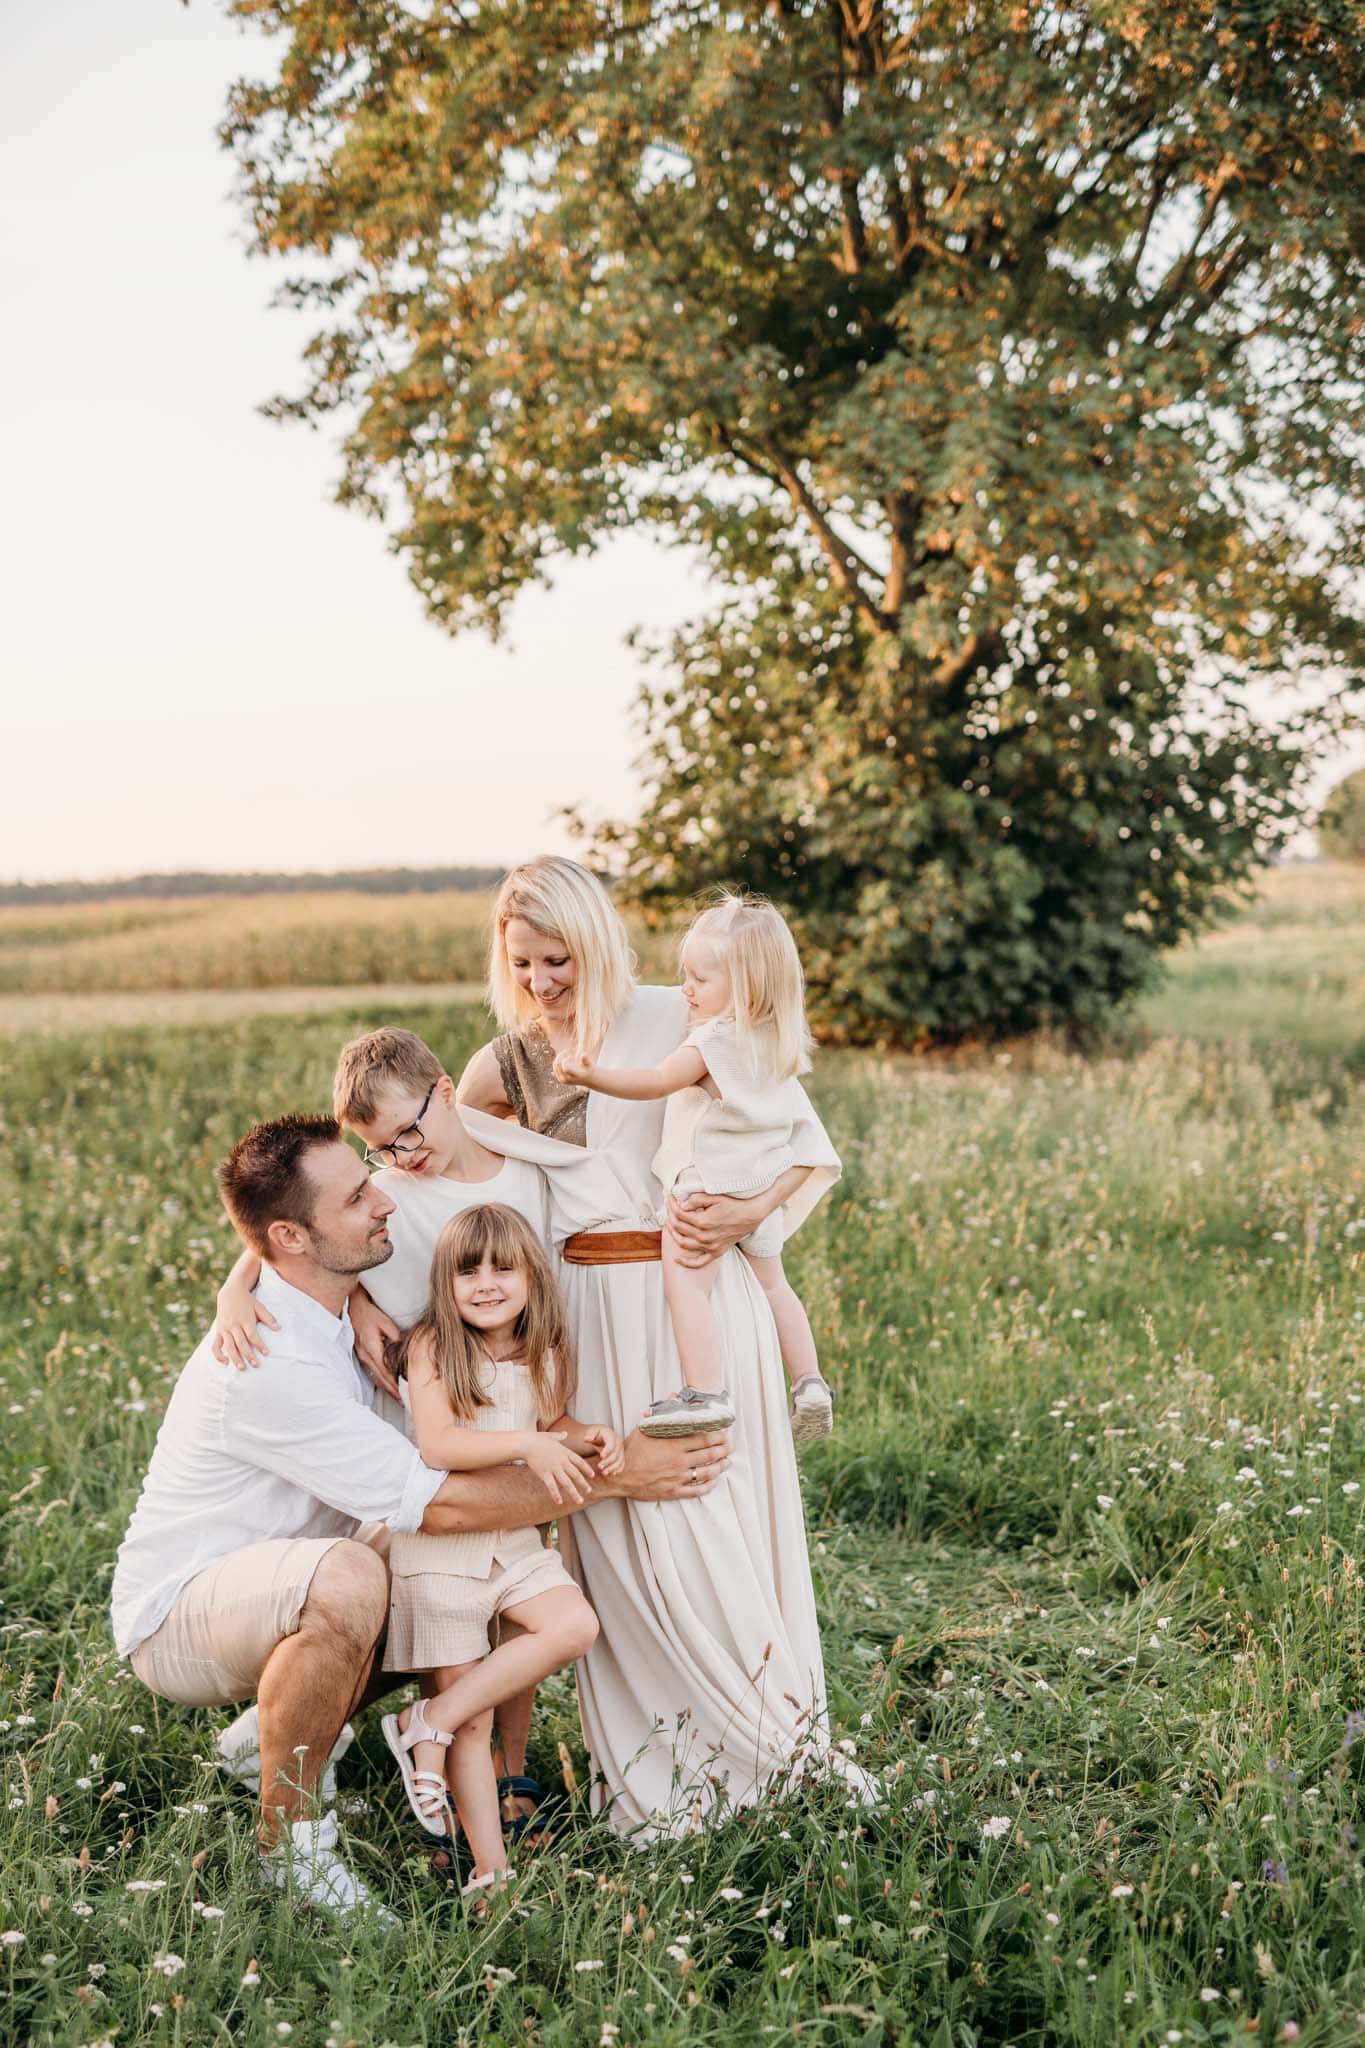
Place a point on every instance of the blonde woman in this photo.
(706, 1684)
(733, 1102)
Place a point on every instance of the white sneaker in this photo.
(239, 1746)
(812, 1408)
(307, 1866)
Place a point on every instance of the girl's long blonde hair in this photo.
(561, 900)
(768, 989)
(457, 1351)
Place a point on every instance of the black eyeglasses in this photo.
(389, 1155)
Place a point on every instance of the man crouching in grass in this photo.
(254, 1565)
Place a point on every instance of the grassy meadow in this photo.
(1087, 1543)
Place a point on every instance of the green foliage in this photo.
(1341, 827)
(993, 356)
(985, 872)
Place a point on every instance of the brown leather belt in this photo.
(614, 1247)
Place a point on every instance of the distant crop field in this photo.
(331, 939)
(228, 942)
(1289, 966)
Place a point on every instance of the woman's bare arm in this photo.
(704, 1226)
(481, 1085)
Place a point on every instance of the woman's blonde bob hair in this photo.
(456, 1350)
(768, 990)
(561, 900)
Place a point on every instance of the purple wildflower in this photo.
(1274, 1873)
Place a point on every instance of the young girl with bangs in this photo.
(487, 1372)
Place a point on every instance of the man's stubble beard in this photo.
(332, 1260)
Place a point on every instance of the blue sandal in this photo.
(525, 1823)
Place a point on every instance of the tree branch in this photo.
(845, 561)
(1167, 296)
(854, 230)
(900, 513)
(976, 650)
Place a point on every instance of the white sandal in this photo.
(492, 1882)
(427, 1792)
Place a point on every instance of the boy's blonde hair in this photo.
(768, 989)
(382, 1061)
(561, 900)
(457, 1350)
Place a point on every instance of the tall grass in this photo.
(1290, 968)
(1087, 1550)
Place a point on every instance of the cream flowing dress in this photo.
(706, 1684)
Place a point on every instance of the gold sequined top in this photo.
(526, 1064)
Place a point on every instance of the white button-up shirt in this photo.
(289, 1448)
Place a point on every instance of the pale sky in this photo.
(205, 662)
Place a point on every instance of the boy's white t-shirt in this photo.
(423, 1207)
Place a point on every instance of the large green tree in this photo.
(1341, 825)
(998, 358)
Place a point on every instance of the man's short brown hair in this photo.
(381, 1060)
(263, 1180)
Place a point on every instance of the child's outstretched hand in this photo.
(611, 1449)
(565, 1476)
(575, 1068)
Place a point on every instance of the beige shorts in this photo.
(439, 1618)
(217, 1639)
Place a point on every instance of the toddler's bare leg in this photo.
(687, 1290)
(793, 1324)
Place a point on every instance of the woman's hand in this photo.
(704, 1226)
(611, 1455)
(241, 1318)
(373, 1330)
(566, 1477)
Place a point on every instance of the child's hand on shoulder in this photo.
(611, 1449)
(575, 1069)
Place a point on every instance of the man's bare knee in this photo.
(349, 1593)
